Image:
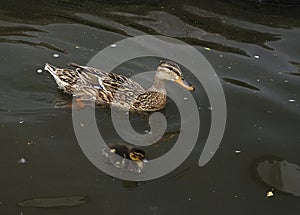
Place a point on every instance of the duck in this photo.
(107, 88)
(126, 157)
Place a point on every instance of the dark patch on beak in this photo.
(185, 84)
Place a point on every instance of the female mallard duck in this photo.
(87, 83)
(122, 156)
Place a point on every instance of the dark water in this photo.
(255, 51)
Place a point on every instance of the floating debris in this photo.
(113, 45)
(22, 161)
(210, 108)
(30, 143)
(256, 56)
(208, 49)
(237, 151)
(292, 100)
(148, 132)
(185, 98)
(269, 194)
(55, 55)
(39, 71)
(21, 122)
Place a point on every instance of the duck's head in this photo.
(137, 154)
(168, 70)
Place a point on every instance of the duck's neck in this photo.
(158, 85)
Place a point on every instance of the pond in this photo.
(254, 50)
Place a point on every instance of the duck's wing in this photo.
(110, 82)
(88, 69)
(90, 76)
(116, 82)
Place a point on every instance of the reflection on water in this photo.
(255, 52)
(281, 175)
(54, 202)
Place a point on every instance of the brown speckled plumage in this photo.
(89, 83)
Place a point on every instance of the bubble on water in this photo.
(22, 161)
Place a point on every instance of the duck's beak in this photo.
(185, 84)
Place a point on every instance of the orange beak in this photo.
(185, 84)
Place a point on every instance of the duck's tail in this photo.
(54, 72)
(48, 67)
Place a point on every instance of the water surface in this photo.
(255, 52)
